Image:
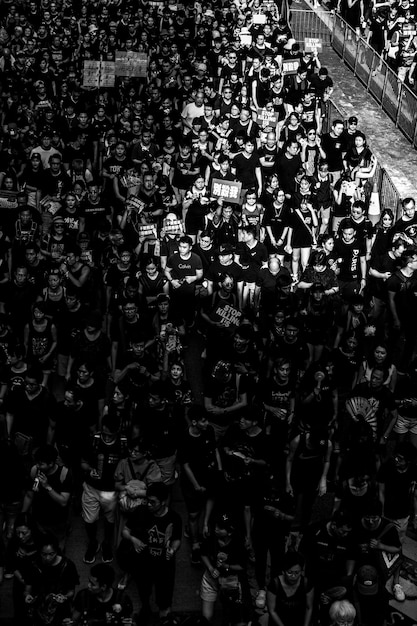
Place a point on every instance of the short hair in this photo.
(103, 573)
(408, 200)
(35, 373)
(46, 453)
(342, 518)
(186, 239)
(336, 122)
(342, 610)
(158, 490)
(250, 228)
(112, 422)
(407, 256)
(49, 540)
(347, 224)
(32, 246)
(291, 559)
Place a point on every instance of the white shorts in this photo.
(209, 588)
(405, 425)
(93, 501)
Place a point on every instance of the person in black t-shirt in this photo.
(100, 602)
(334, 147)
(329, 551)
(247, 167)
(223, 556)
(156, 537)
(50, 584)
(201, 466)
(396, 479)
(402, 302)
(48, 493)
(351, 260)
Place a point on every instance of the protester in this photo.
(191, 292)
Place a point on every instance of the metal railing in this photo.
(389, 196)
(396, 99)
(316, 24)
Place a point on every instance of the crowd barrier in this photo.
(396, 99)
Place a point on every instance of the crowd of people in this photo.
(194, 297)
(390, 28)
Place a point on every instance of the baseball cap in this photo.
(226, 248)
(367, 580)
(58, 220)
(353, 120)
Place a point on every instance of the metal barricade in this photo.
(315, 24)
(397, 100)
(388, 195)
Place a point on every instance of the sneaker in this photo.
(260, 599)
(196, 556)
(106, 553)
(8, 575)
(399, 594)
(90, 555)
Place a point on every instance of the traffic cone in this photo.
(374, 210)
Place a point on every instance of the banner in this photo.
(227, 190)
(131, 64)
(91, 74)
(99, 74)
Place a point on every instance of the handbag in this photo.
(230, 588)
(129, 502)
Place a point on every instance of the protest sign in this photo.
(226, 189)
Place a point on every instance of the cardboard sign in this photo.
(173, 227)
(312, 44)
(91, 74)
(132, 64)
(290, 66)
(408, 30)
(259, 18)
(227, 190)
(267, 118)
(107, 74)
(135, 204)
(227, 315)
(148, 231)
(245, 40)
(99, 74)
